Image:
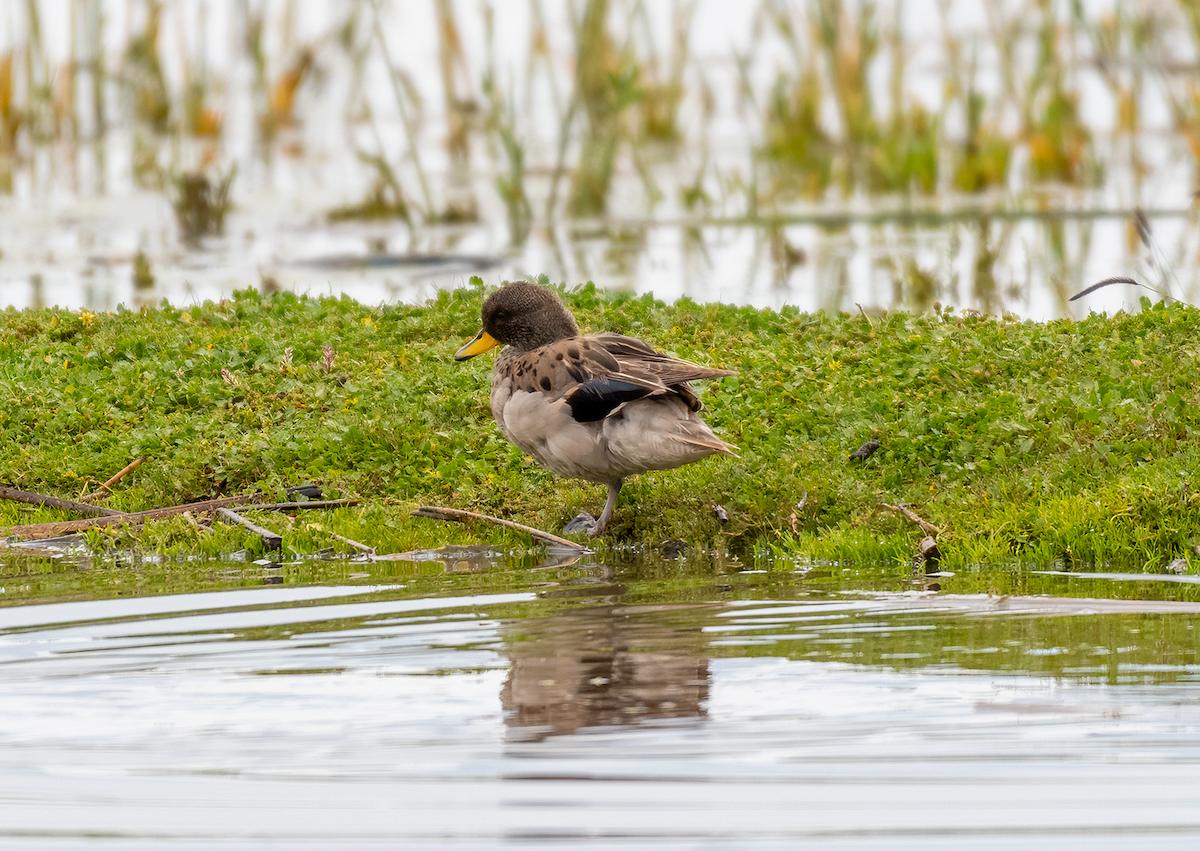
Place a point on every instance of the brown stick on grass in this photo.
(270, 540)
(361, 547)
(196, 524)
(125, 471)
(458, 515)
(136, 518)
(31, 498)
(927, 527)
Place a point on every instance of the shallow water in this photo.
(543, 704)
(85, 261)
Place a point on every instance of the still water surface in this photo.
(641, 705)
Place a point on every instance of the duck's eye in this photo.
(501, 314)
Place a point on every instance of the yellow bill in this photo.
(482, 342)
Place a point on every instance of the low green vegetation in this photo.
(1021, 441)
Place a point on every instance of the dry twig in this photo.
(864, 315)
(459, 516)
(135, 518)
(357, 545)
(270, 540)
(32, 498)
(191, 518)
(926, 527)
(107, 486)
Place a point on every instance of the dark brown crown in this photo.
(526, 316)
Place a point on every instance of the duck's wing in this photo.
(640, 361)
(596, 374)
(636, 357)
(578, 370)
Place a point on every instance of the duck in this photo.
(596, 407)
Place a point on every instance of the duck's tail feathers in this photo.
(714, 443)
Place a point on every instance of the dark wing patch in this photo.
(632, 361)
(596, 399)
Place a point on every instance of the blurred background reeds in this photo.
(889, 153)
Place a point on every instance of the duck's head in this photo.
(522, 315)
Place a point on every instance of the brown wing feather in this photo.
(639, 362)
(613, 368)
(560, 366)
(638, 359)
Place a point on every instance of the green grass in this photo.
(1075, 440)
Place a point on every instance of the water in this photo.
(543, 704)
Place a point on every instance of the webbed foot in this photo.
(582, 522)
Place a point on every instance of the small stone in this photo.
(866, 450)
(672, 548)
(928, 552)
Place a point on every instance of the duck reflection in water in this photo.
(603, 664)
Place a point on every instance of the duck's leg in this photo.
(613, 489)
(584, 522)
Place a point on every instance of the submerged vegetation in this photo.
(200, 202)
(1065, 440)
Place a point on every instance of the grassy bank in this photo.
(1033, 441)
